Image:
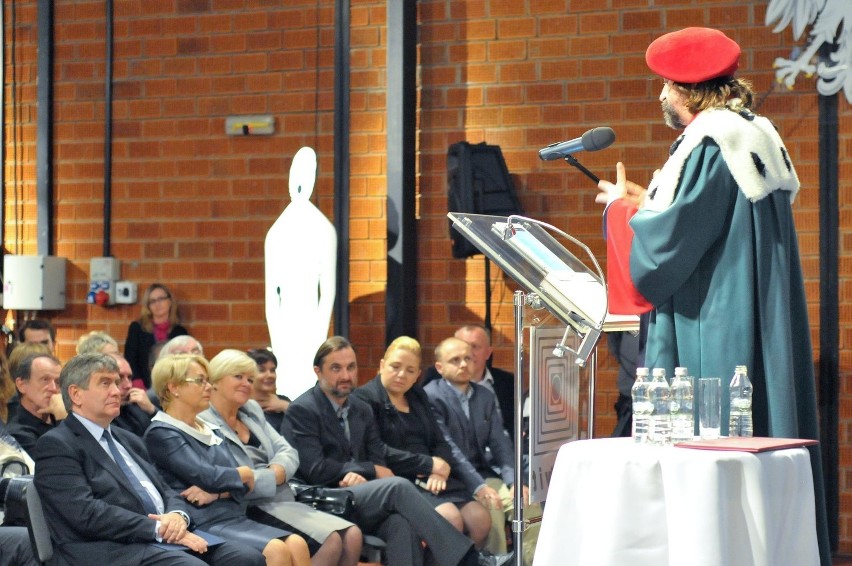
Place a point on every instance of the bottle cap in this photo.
(681, 371)
(659, 371)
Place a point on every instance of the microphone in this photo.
(593, 140)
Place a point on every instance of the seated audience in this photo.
(15, 547)
(192, 459)
(266, 386)
(11, 446)
(7, 387)
(470, 419)
(158, 323)
(97, 342)
(16, 356)
(339, 445)
(136, 407)
(255, 443)
(406, 422)
(23, 350)
(103, 501)
(183, 344)
(500, 382)
(37, 381)
(38, 331)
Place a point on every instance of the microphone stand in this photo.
(571, 160)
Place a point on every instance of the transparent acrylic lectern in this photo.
(554, 279)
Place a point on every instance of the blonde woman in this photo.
(406, 422)
(194, 461)
(256, 444)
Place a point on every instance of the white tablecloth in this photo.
(612, 502)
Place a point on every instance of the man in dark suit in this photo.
(501, 383)
(136, 408)
(104, 503)
(339, 445)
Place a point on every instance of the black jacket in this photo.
(137, 349)
(325, 454)
(392, 429)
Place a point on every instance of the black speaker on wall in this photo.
(478, 182)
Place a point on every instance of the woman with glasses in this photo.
(158, 324)
(192, 458)
(254, 443)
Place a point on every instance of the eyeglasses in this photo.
(157, 300)
(202, 381)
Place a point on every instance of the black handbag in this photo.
(334, 500)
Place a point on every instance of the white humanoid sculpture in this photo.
(300, 256)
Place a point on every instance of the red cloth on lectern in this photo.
(623, 296)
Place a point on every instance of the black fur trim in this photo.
(758, 164)
(786, 159)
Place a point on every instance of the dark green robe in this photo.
(720, 265)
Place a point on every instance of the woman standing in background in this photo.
(158, 324)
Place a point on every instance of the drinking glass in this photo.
(709, 407)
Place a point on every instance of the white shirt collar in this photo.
(487, 380)
(205, 435)
(94, 428)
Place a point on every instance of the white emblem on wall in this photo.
(831, 24)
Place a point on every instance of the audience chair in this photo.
(37, 527)
(372, 550)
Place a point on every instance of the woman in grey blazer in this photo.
(193, 460)
(255, 443)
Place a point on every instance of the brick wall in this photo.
(192, 206)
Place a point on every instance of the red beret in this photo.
(693, 55)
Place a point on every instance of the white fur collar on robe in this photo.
(742, 142)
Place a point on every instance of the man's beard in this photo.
(335, 392)
(671, 118)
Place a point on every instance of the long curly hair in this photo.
(717, 93)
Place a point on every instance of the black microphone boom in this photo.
(593, 140)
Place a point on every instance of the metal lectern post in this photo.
(552, 278)
(518, 524)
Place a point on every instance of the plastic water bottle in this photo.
(659, 393)
(641, 406)
(740, 423)
(683, 418)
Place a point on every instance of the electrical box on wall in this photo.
(33, 282)
(126, 292)
(104, 272)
